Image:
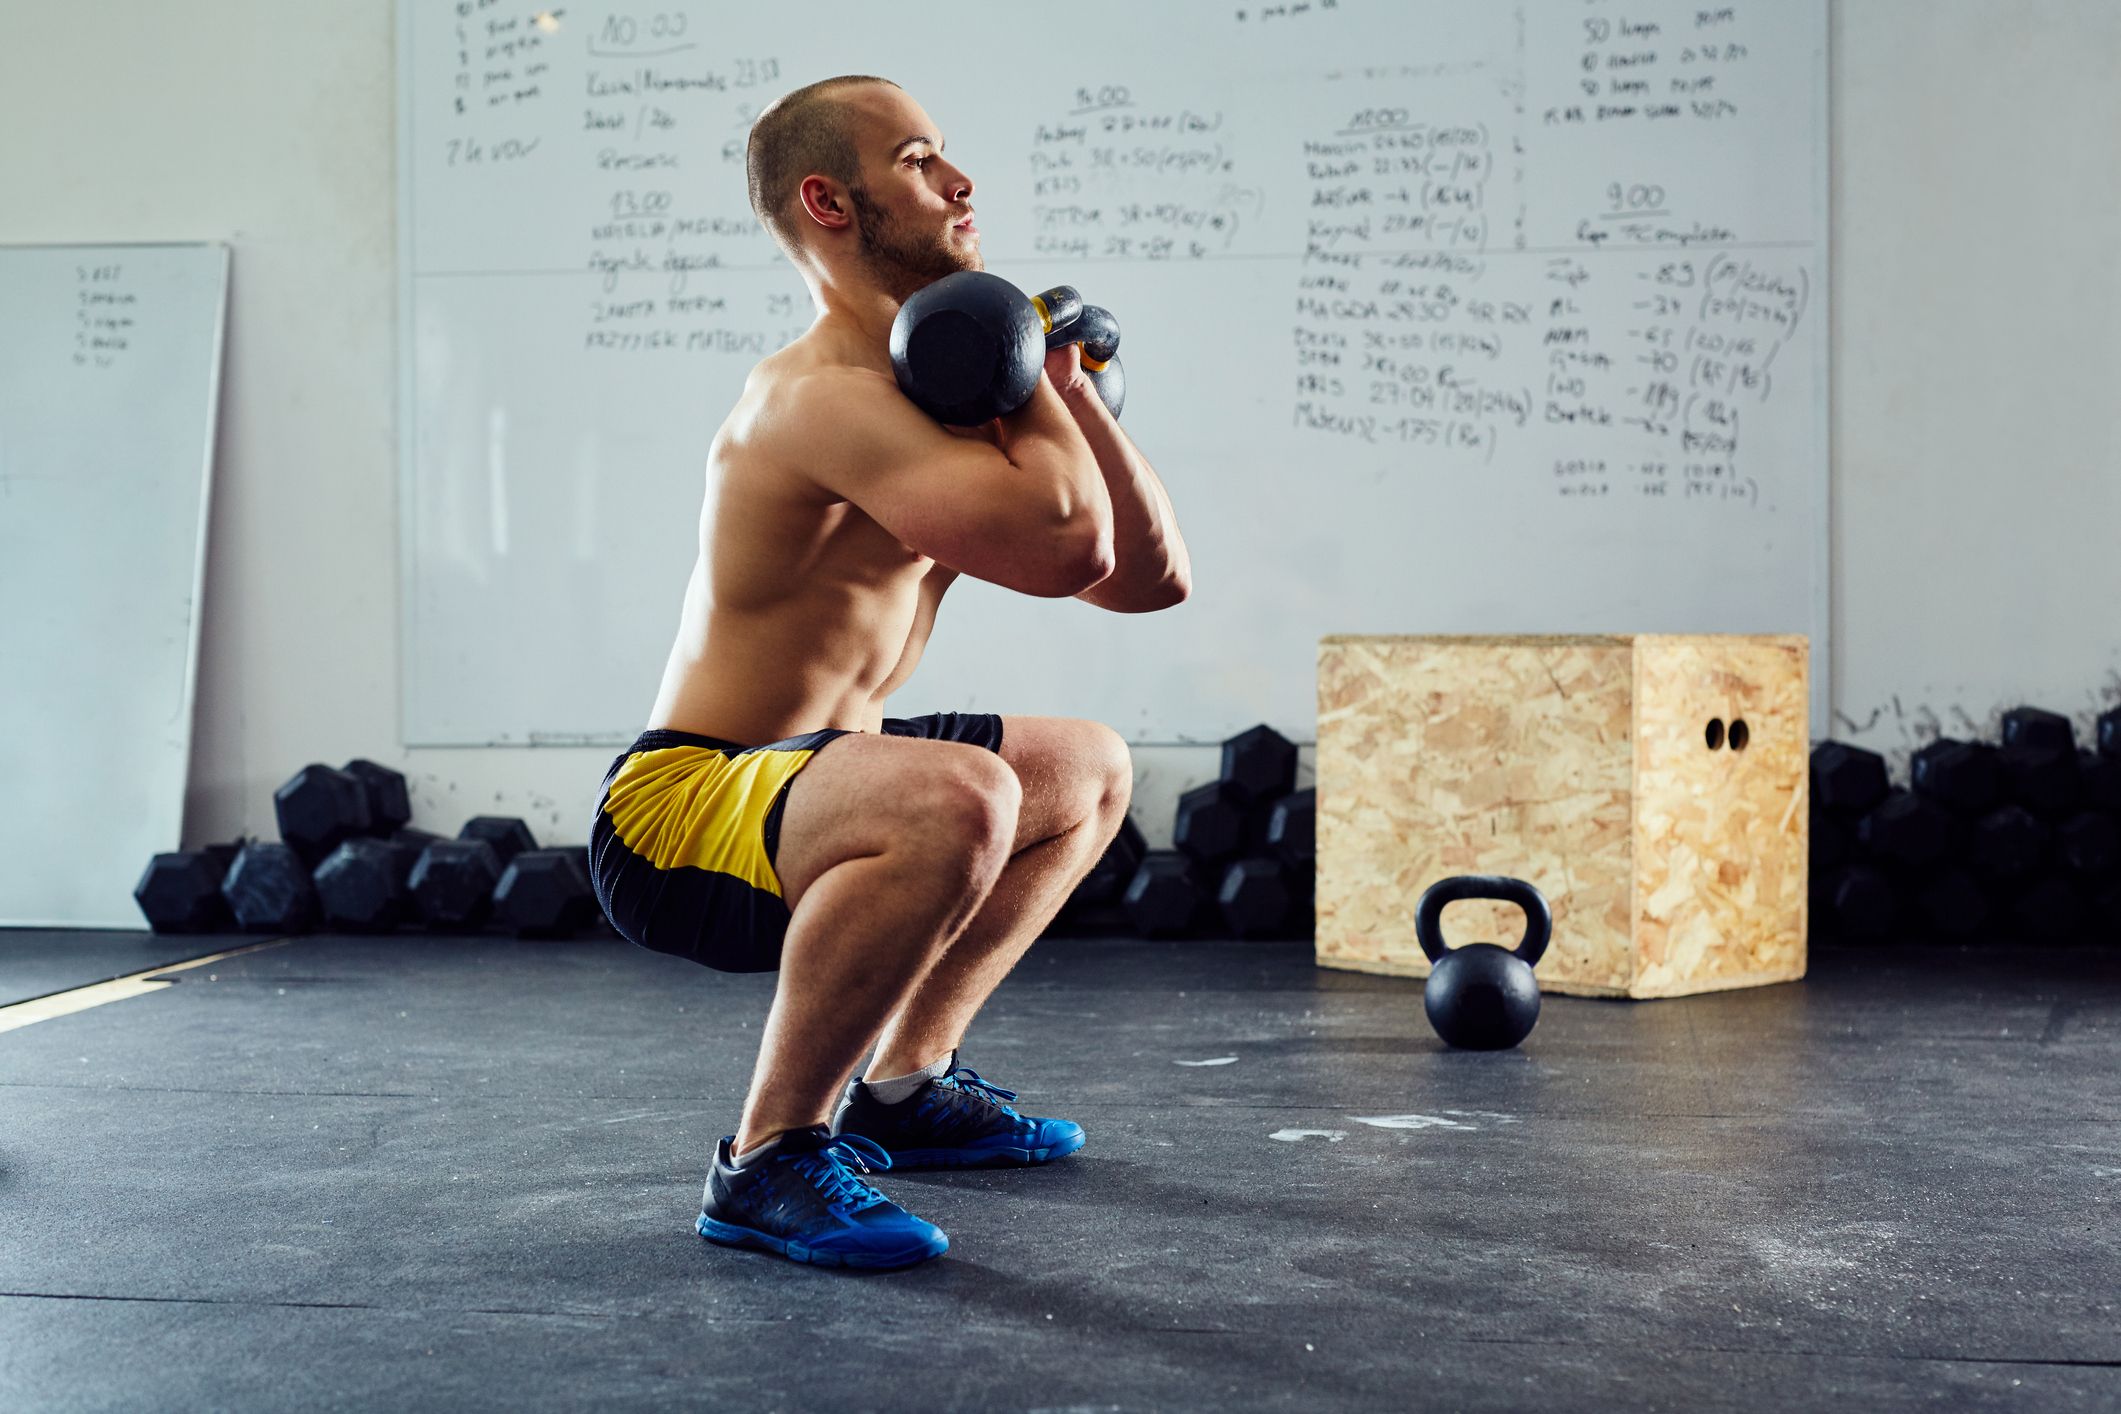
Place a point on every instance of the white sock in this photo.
(744, 1159)
(901, 1087)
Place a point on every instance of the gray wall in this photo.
(1976, 344)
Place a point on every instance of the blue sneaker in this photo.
(955, 1121)
(800, 1199)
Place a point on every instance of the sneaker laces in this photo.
(972, 1085)
(827, 1168)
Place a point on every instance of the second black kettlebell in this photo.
(1482, 997)
(1095, 328)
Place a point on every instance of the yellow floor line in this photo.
(117, 989)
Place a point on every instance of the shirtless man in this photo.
(772, 816)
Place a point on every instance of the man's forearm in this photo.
(1150, 567)
(1043, 436)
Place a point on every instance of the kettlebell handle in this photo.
(1539, 920)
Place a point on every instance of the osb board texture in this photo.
(1488, 640)
(1720, 836)
(1518, 756)
(1476, 756)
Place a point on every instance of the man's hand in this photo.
(1064, 366)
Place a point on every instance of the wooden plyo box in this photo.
(1581, 764)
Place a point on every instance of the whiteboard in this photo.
(110, 368)
(1453, 316)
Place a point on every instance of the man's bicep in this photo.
(954, 498)
(870, 445)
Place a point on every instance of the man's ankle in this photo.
(747, 1148)
(891, 1083)
(744, 1147)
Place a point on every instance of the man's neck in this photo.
(856, 306)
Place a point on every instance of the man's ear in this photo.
(825, 202)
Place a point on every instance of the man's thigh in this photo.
(1068, 768)
(862, 793)
(864, 789)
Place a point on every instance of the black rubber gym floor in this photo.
(426, 1173)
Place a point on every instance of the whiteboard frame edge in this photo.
(216, 370)
(407, 508)
(1822, 654)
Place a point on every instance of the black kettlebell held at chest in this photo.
(970, 347)
(1482, 997)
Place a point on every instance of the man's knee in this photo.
(1111, 770)
(971, 806)
(1089, 780)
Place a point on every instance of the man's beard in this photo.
(903, 261)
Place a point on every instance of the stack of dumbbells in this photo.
(2017, 842)
(348, 861)
(1240, 863)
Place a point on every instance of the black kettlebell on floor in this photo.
(1482, 997)
(969, 348)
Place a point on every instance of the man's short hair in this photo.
(800, 133)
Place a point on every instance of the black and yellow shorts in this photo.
(682, 848)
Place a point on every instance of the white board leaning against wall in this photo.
(110, 371)
(1448, 316)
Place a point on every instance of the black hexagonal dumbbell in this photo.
(1859, 904)
(1107, 880)
(1958, 775)
(1833, 841)
(2037, 729)
(2101, 777)
(320, 808)
(452, 884)
(545, 893)
(2049, 912)
(1303, 912)
(414, 839)
(1164, 898)
(1292, 828)
(2009, 845)
(1211, 823)
(1260, 762)
(2089, 846)
(361, 887)
(1905, 829)
(1255, 897)
(508, 835)
(1847, 778)
(269, 890)
(180, 891)
(1952, 904)
(2043, 779)
(2105, 920)
(389, 805)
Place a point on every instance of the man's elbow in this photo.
(1079, 560)
(1092, 563)
(1167, 593)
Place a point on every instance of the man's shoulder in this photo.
(813, 387)
(813, 411)
(791, 415)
